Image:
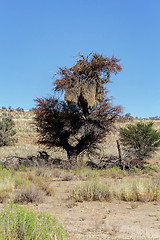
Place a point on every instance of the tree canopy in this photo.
(85, 113)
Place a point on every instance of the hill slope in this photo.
(27, 137)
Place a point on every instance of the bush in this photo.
(7, 132)
(141, 139)
(90, 191)
(19, 109)
(18, 223)
(29, 193)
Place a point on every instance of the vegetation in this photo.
(18, 223)
(82, 120)
(90, 191)
(141, 139)
(6, 184)
(23, 186)
(143, 190)
(29, 194)
(7, 132)
(41, 183)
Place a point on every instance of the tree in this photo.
(7, 132)
(141, 138)
(85, 114)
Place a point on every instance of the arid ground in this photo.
(114, 219)
(102, 220)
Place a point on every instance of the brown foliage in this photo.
(84, 81)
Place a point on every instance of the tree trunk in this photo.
(119, 155)
(72, 157)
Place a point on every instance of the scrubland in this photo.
(52, 203)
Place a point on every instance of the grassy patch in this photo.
(114, 172)
(6, 183)
(90, 191)
(18, 223)
(48, 172)
(21, 179)
(143, 190)
(41, 183)
(86, 174)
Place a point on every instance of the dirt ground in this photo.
(101, 220)
(88, 220)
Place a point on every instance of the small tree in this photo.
(7, 132)
(141, 138)
(85, 116)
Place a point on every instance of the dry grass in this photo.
(142, 189)
(90, 191)
(67, 175)
(48, 173)
(29, 193)
(114, 172)
(21, 179)
(87, 174)
(6, 184)
(23, 184)
(41, 183)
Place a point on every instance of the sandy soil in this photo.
(88, 220)
(101, 220)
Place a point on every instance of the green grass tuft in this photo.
(17, 222)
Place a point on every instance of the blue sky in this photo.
(38, 36)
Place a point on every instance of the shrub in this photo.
(90, 191)
(141, 138)
(18, 223)
(143, 190)
(7, 132)
(19, 109)
(29, 193)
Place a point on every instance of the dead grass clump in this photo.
(29, 193)
(87, 174)
(114, 172)
(21, 179)
(48, 172)
(41, 183)
(4, 196)
(90, 191)
(143, 190)
(67, 176)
